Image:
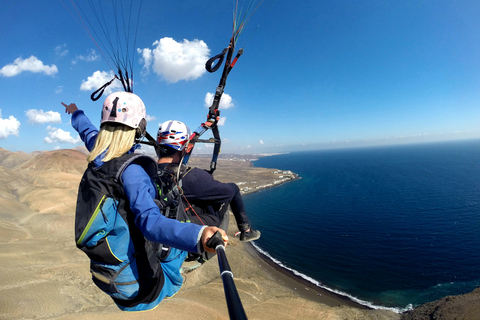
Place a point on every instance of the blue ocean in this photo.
(389, 227)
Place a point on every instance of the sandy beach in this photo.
(44, 276)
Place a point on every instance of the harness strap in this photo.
(209, 64)
(99, 92)
(212, 65)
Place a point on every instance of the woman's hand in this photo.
(71, 108)
(208, 233)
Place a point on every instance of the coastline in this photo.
(298, 285)
(249, 178)
(303, 288)
(277, 183)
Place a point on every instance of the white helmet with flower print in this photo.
(124, 107)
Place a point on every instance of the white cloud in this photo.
(176, 61)
(31, 64)
(56, 135)
(8, 126)
(59, 90)
(147, 57)
(61, 50)
(221, 121)
(225, 100)
(39, 116)
(98, 79)
(261, 142)
(150, 118)
(91, 56)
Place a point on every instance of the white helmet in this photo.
(173, 134)
(125, 108)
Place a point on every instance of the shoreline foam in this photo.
(313, 284)
(304, 288)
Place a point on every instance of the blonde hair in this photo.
(118, 139)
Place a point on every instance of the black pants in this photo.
(213, 215)
(238, 210)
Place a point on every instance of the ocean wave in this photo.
(337, 292)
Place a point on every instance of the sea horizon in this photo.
(389, 227)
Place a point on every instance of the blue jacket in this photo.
(140, 192)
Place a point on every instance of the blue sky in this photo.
(315, 74)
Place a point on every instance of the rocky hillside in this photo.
(465, 306)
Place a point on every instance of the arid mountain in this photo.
(10, 159)
(65, 161)
(82, 149)
(44, 182)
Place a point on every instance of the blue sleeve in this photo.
(87, 131)
(140, 192)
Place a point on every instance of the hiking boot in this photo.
(250, 235)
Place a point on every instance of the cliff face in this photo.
(466, 307)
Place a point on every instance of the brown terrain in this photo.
(44, 276)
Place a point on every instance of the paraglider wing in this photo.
(112, 26)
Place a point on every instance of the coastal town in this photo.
(282, 177)
(239, 168)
